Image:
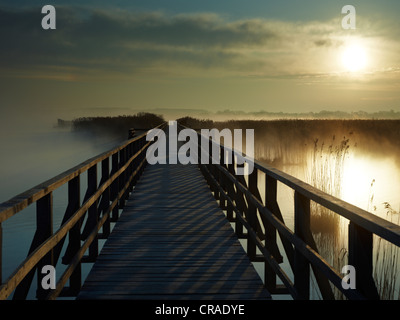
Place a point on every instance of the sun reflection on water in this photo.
(369, 183)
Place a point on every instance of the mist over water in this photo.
(33, 150)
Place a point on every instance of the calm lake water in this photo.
(32, 154)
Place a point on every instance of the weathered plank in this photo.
(172, 242)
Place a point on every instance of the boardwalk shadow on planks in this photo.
(172, 242)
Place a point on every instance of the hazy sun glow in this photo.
(354, 58)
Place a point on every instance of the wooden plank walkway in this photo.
(172, 242)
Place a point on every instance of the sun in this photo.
(354, 58)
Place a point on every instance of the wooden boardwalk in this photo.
(172, 242)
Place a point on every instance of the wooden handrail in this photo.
(377, 225)
(23, 200)
(129, 157)
(306, 250)
(300, 247)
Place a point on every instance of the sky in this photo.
(199, 57)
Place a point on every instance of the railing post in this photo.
(215, 172)
(231, 192)
(115, 186)
(44, 229)
(301, 264)
(92, 218)
(142, 143)
(270, 232)
(252, 215)
(239, 201)
(75, 281)
(360, 257)
(199, 149)
(122, 177)
(131, 168)
(135, 147)
(44, 221)
(221, 177)
(105, 173)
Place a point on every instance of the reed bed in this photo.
(386, 262)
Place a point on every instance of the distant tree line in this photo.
(118, 125)
(194, 123)
(322, 115)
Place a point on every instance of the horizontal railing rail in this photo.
(82, 221)
(239, 195)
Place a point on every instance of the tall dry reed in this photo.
(386, 261)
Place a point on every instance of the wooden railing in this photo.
(262, 219)
(257, 219)
(120, 170)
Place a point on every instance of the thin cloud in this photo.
(95, 43)
(121, 40)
